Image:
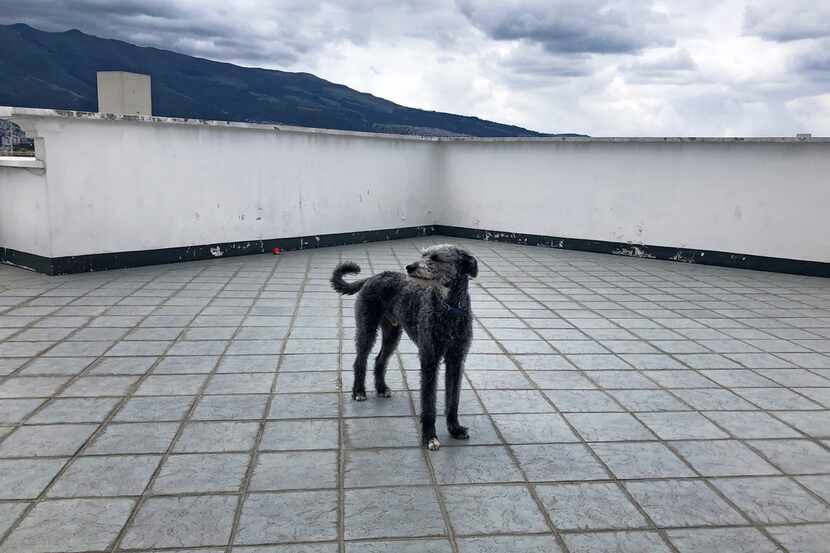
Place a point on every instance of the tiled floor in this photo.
(615, 405)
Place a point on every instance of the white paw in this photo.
(433, 444)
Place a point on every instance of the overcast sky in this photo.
(606, 68)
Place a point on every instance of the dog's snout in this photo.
(411, 267)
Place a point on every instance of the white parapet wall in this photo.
(765, 197)
(116, 185)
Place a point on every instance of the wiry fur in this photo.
(432, 304)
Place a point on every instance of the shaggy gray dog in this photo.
(432, 304)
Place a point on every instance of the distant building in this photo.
(12, 138)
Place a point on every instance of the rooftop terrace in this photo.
(615, 404)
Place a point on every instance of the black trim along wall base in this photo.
(122, 260)
(667, 253)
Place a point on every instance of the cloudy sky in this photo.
(602, 67)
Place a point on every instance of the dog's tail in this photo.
(341, 286)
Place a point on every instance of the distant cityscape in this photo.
(13, 141)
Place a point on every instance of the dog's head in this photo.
(444, 264)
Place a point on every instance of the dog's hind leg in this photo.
(453, 375)
(429, 382)
(367, 328)
(391, 335)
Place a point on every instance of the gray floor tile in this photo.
(558, 462)
(683, 503)
(153, 409)
(708, 399)
(75, 410)
(248, 363)
(299, 406)
(582, 401)
(641, 460)
(386, 467)
(648, 400)
(304, 382)
(171, 385)
(36, 386)
(802, 539)
(534, 428)
(259, 383)
(589, 506)
(294, 548)
(150, 437)
(616, 542)
(105, 476)
(515, 401)
(794, 456)
(57, 366)
(492, 510)
(69, 525)
(498, 380)
(231, 407)
(300, 434)
(469, 465)
(27, 478)
(381, 432)
(217, 437)
(734, 540)
(773, 500)
(608, 427)
(392, 513)
(509, 544)
(681, 426)
(749, 425)
(122, 366)
(91, 386)
(723, 458)
(561, 380)
(295, 470)
(186, 365)
(820, 485)
(9, 513)
(15, 410)
(182, 522)
(212, 472)
(397, 546)
(46, 440)
(815, 424)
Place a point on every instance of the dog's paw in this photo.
(460, 433)
(359, 396)
(433, 444)
(385, 392)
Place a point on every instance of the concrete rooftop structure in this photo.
(615, 404)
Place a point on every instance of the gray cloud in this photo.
(785, 21)
(216, 30)
(815, 62)
(675, 67)
(572, 26)
(598, 66)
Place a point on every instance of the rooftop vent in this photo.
(122, 92)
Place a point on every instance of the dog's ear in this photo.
(470, 265)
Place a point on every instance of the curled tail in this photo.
(341, 286)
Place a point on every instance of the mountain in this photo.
(57, 70)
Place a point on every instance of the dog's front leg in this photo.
(454, 371)
(429, 382)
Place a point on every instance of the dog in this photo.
(431, 302)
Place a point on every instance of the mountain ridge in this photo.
(57, 70)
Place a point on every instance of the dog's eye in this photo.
(434, 257)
